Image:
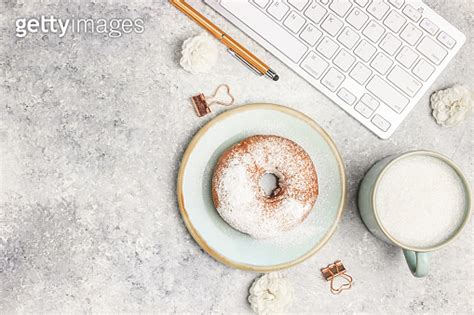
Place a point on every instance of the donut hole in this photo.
(270, 185)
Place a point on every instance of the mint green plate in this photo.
(230, 246)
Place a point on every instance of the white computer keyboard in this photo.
(373, 58)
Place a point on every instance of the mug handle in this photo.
(418, 262)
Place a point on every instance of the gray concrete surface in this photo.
(92, 130)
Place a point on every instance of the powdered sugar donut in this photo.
(243, 203)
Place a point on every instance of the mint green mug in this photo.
(417, 257)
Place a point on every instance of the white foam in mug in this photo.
(418, 201)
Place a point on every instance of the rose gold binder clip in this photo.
(335, 270)
(202, 103)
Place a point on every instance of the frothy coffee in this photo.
(420, 201)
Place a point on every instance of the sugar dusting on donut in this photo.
(240, 200)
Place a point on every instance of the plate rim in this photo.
(182, 168)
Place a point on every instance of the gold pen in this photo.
(235, 49)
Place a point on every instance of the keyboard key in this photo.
(348, 38)
(404, 81)
(261, 3)
(344, 60)
(364, 50)
(381, 123)
(411, 34)
(360, 73)
(294, 22)
(394, 21)
(311, 34)
(278, 9)
(340, 7)
(431, 50)
(332, 25)
(397, 3)
(378, 8)
(387, 94)
(363, 109)
(412, 13)
(407, 57)
(314, 65)
(298, 4)
(429, 26)
(370, 101)
(260, 23)
(423, 70)
(315, 12)
(327, 47)
(373, 31)
(446, 40)
(357, 18)
(362, 3)
(332, 79)
(381, 63)
(346, 96)
(390, 44)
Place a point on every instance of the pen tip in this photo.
(272, 75)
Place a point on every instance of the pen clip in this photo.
(245, 62)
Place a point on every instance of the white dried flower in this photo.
(199, 54)
(452, 105)
(270, 294)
